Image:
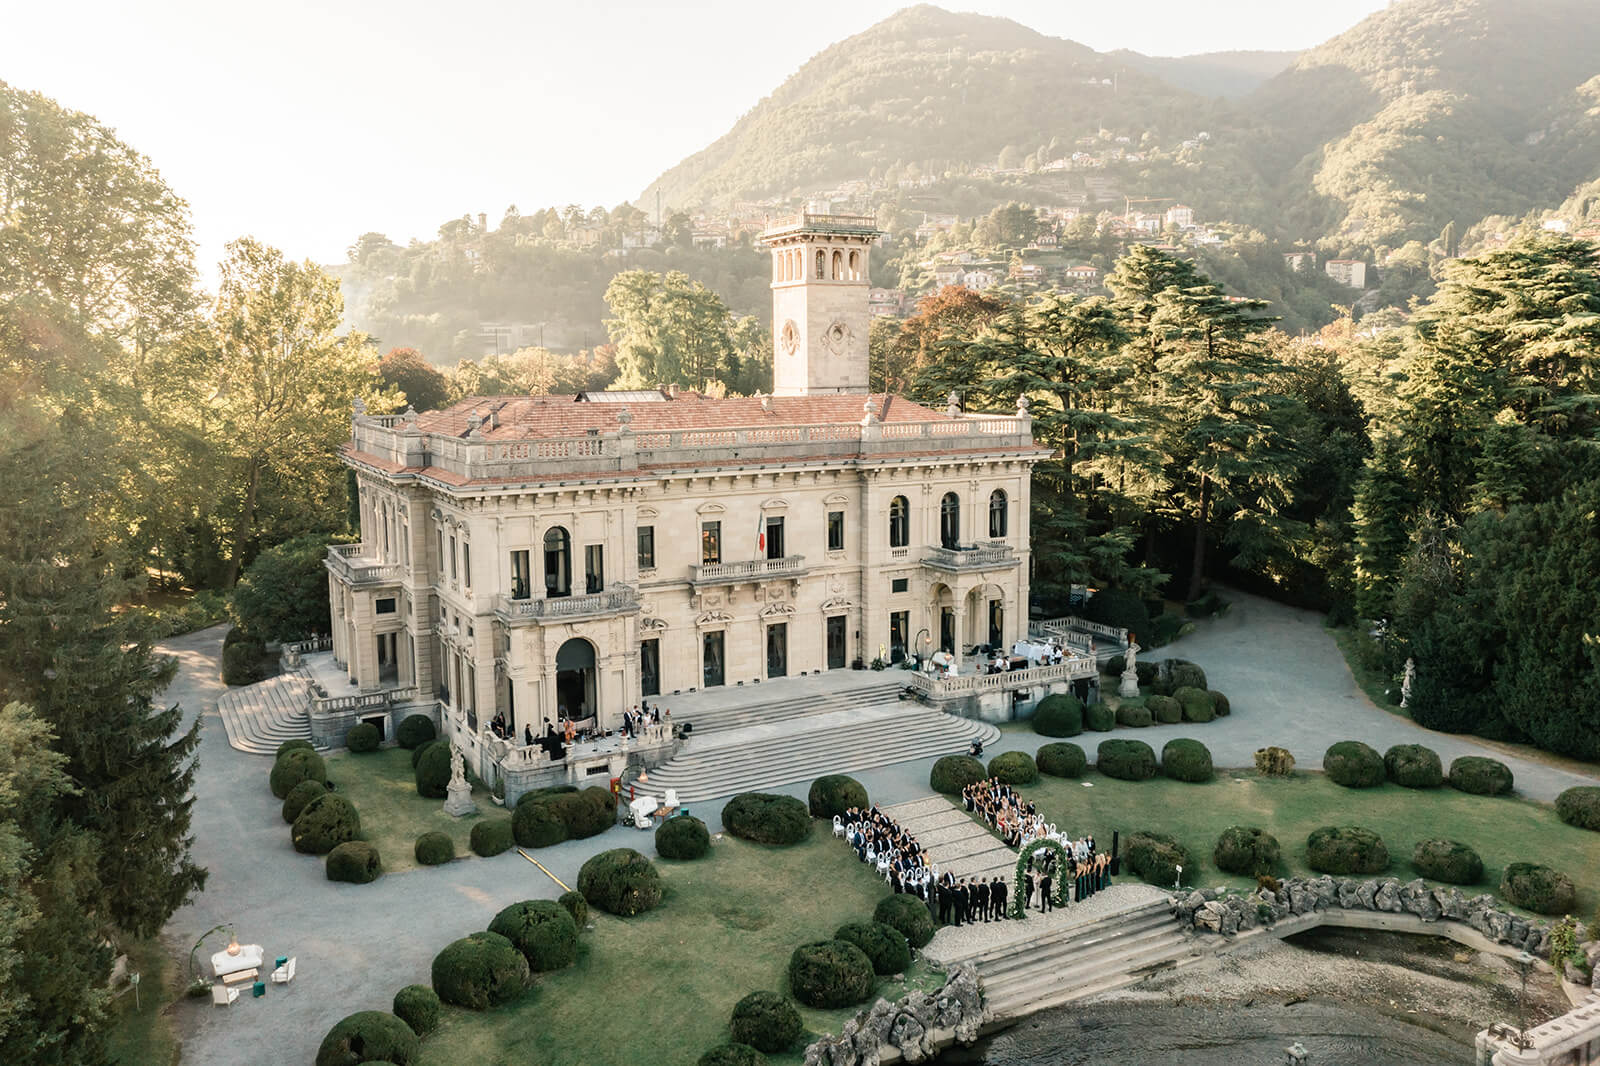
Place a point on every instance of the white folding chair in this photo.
(223, 996)
(838, 826)
(671, 799)
(285, 973)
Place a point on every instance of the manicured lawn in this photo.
(143, 1034)
(659, 987)
(1501, 830)
(393, 816)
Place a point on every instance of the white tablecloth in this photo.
(249, 958)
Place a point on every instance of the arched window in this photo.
(780, 266)
(950, 521)
(838, 266)
(997, 514)
(899, 522)
(557, 563)
(822, 264)
(855, 266)
(797, 265)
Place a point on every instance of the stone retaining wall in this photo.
(912, 1029)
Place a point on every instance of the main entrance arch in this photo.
(576, 697)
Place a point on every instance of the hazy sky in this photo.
(308, 123)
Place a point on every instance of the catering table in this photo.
(249, 958)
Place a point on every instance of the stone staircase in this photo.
(956, 842)
(789, 705)
(259, 717)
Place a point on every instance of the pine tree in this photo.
(1383, 511)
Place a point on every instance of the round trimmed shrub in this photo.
(1126, 760)
(953, 773)
(1481, 776)
(1537, 888)
(584, 814)
(362, 738)
(1014, 768)
(292, 745)
(1099, 717)
(765, 1021)
(767, 818)
(414, 731)
(434, 849)
(732, 1055)
(1347, 849)
(539, 795)
(1058, 715)
(909, 915)
(419, 1007)
(1186, 760)
(1185, 674)
(537, 825)
(542, 930)
(576, 906)
(491, 836)
(1134, 716)
(620, 882)
(433, 770)
(834, 794)
(1413, 766)
(1196, 703)
(1061, 760)
(294, 766)
(418, 751)
(1580, 807)
(324, 824)
(1274, 762)
(1155, 857)
(479, 971)
(683, 837)
(831, 973)
(368, 1036)
(1449, 861)
(1219, 703)
(299, 796)
(1247, 850)
(1353, 764)
(354, 861)
(1164, 709)
(885, 945)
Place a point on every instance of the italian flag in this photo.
(761, 533)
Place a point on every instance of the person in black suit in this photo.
(980, 895)
(997, 897)
(1044, 894)
(960, 905)
(943, 891)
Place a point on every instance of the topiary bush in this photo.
(831, 973)
(1196, 703)
(583, 814)
(1061, 760)
(324, 824)
(1538, 889)
(1185, 674)
(292, 745)
(1164, 709)
(1119, 608)
(767, 818)
(542, 930)
(1580, 807)
(732, 1055)
(909, 915)
(299, 796)
(1014, 768)
(1481, 776)
(1099, 717)
(434, 849)
(1186, 760)
(953, 773)
(834, 794)
(433, 770)
(885, 945)
(683, 837)
(1155, 857)
(491, 836)
(1413, 766)
(1219, 703)
(537, 825)
(1274, 762)
(1353, 764)
(1347, 849)
(765, 1021)
(419, 1007)
(576, 906)
(414, 731)
(1134, 716)
(1126, 760)
(620, 882)
(420, 750)
(368, 1036)
(479, 971)
(362, 738)
(1449, 861)
(242, 663)
(1058, 715)
(1247, 850)
(354, 861)
(294, 766)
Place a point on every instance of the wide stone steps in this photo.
(759, 712)
(957, 843)
(262, 716)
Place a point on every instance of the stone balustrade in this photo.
(325, 705)
(1070, 624)
(995, 555)
(618, 599)
(943, 688)
(351, 564)
(748, 570)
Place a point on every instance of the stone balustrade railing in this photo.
(1064, 627)
(934, 687)
(350, 563)
(995, 555)
(618, 599)
(323, 705)
(748, 569)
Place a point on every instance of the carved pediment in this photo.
(775, 609)
(652, 623)
(837, 603)
(711, 617)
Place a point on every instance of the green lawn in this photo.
(142, 1032)
(659, 987)
(1501, 830)
(393, 816)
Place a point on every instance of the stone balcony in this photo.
(616, 600)
(750, 570)
(352, 565)
(971, 558)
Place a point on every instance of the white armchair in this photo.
(285, 973)
(223, 996)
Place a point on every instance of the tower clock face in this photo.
(789, 338)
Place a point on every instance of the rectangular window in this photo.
(713, 672)
(710, 542)
(521, 576)
(384, 606)
(899, 626)
(440, 530)
(594, 565)
(452, 558)
(466, 564)
(778, 649)
(836, 641)
(647, 547)
(775, 538)
(899, 584)
(650, 667)
(836, 531)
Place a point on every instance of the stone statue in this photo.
(458, 794)
(1129, 688)
(1407, 681)
(458, 766)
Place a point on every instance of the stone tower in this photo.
(819, 303)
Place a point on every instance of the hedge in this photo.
(1118, 608)
(542, 930)
(1353, 764)
(882, 943)
(433, 770)
(1126, 760)
(1481, 776)
(1185, 674)
(479, 971)
(1134, 716)
(299, 796)
(765, 1021)
(420, 750)
(834, 794)
(909, 915)
(1183, 759)
(1155, 857)
(1099, 717)
(362, 738)
(369, 1036)
(1196, 703)
(1413, 766)
(953, 773)
(241, 663)
(1219, 703)
(1348, 849)
(1580, 807)
(1538, 889)
(1061, 760)
(537, 825)
(292, 745)
(576, 906)
(294, 766)
(1014, 768)
(325, 823)
(414, 731)
(584, 814)
(1274, 761)
(1164, 709)
(419, 1007)
(682, 837)
(767, 818)
(491, 836)
(732, 1055)
(1058, 715)
(1247, 850)
(434, 849)
(1449, 861)
(354, 861)
(831, 973)
(620, 882)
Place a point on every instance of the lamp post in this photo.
(1177, 882)
(1524, 963)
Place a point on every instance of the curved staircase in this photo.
(259, 717)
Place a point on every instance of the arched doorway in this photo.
(576, 697)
